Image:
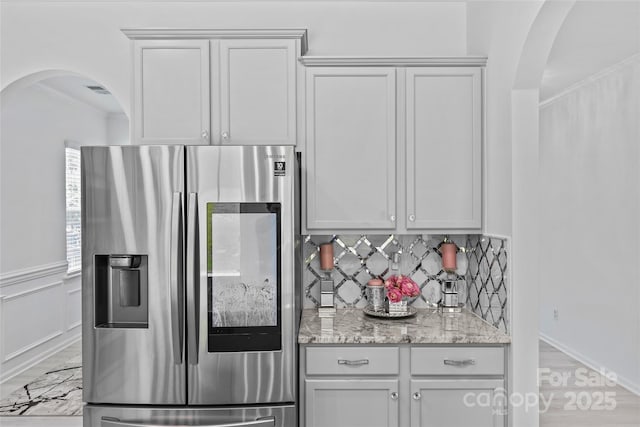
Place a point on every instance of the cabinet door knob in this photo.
(394, 395)
(412, 218)
(205, 134)
(392, 217)
(225, 135)
(417, 395)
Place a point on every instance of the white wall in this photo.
(500, 30)
(117, 129)
(35, 123)
(590, 246)
(39, 305)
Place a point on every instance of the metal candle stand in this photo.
(450, 303)
(327, 295)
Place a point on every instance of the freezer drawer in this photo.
(114, 416)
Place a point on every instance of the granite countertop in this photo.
(428, 326)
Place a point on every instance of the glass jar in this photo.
(375, 294)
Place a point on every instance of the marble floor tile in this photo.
(52, 362)
(56, 392)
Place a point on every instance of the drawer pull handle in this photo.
(465, 362)
(353, 362)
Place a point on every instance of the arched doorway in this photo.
(554, 268)
(45, 118)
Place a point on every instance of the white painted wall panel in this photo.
(40, 313)
(590, 190)
(31, 318)
(73, 307)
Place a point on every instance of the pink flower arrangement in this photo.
(399, 286)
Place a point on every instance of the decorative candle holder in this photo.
(448, 252)
(327, 294)
(376, 294)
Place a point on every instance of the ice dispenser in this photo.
(121, 291)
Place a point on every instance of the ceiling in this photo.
(76, 88)
(595, 36)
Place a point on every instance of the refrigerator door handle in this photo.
(176, 263)
(260, 422)
(192, 279)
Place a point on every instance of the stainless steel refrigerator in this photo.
(189, 306)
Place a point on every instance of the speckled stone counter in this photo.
(428, 326)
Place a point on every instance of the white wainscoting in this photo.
(40, 313)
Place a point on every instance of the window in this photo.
(72, 191)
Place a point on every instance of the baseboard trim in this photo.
(7, 375)
(590, 363)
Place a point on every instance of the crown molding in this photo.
(215, 33)
(393, 61)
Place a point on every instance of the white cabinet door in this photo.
(444, 142)
(458, 403)
(257, 92)
(171, 100)
(351, 403)
(351, 146)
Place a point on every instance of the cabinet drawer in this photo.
(457, 361)
(345, 360)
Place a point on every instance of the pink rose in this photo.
(390, 282)
(408, 287)
(394, 295)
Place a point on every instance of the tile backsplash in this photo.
(487, 287)
(482, 270)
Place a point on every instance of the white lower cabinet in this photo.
(351, 403)
(457, 403)
(408, 385)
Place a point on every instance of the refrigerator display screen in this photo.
(243, 245)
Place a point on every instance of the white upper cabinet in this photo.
(443, 148)
(215, 87)
(258, 92)
(351, 146)
(354, 148)
(171, 83)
